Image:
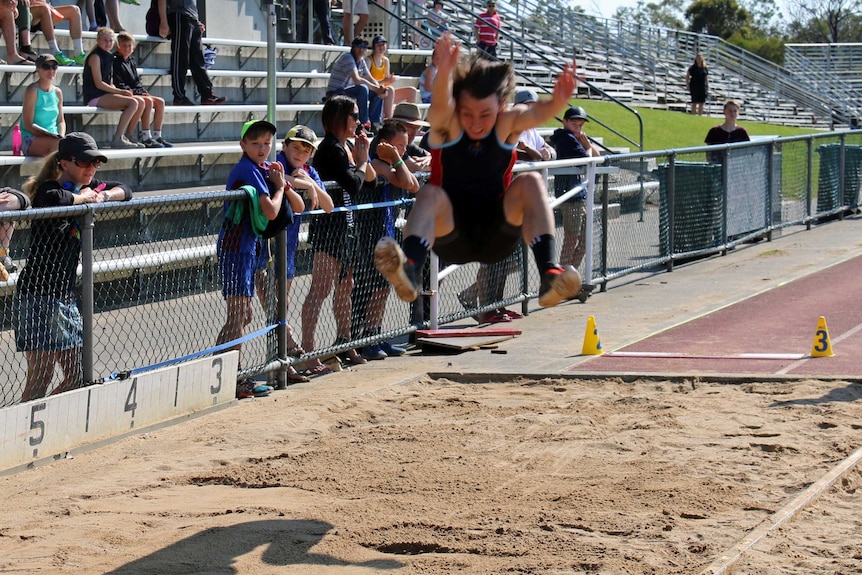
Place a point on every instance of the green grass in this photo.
(663, 130)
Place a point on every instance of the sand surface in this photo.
(363, 473)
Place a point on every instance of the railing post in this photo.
(671, 182)
(87, 294)
(809, 173)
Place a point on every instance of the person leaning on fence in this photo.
(472, 209)
(417, 158)
(11, 200)
(48, 325)
(333, 237)
(42, 121)
(372, 290)
(126, 77)
(296, 151)
(350, 76)
(532, 147)
(239, 245)
(487, 30)
(726, 133)
(99, 90)
(571, 142)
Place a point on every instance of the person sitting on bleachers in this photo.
(426, 80)
(378, 66)
(350, 76)
(99, 90)
(42, 122)
(8, 14)
(126, 77)
(45, 16)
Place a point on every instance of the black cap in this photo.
(577, 113)
(79, 146)
(359, 43)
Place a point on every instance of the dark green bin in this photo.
(698, 207)
(828, 197)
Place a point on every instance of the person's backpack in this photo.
(153, 20)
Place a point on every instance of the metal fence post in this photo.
(87, 294)
(671, 177)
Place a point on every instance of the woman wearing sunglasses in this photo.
(42, 123)
(48, 326)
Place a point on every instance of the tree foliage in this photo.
(665, 13)
(825, 20)
(720, 18)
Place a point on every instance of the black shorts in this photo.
(486, 240)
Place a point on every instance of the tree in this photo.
(825, 20)
(720, 18)
(665, 13)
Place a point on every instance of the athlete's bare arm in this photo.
(441, 113)
(516, 119)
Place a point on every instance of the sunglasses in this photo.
(49, 66)
(87, 163)
(354, 115)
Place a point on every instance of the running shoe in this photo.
(390, 261)
(64, 60)
(559, 284)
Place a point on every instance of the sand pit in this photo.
(542, 476)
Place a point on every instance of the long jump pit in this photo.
(464, 473)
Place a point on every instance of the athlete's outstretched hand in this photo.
(566, 84)
(447, 50)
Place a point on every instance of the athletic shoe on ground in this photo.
(63, 60)
(559, 284)
(390, 261)
(214, 100)
(151, 143)
(122, 143)
(249, 388)
(79, 59)
(163, 142)
(183, 102)
(373, 352)
(392, 350)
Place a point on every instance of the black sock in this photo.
(544, 247)
(416, 250)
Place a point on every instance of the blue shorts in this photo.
(44, 323)
(292, 245)
(237, 274)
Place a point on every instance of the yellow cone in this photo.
(821, 346)
(592, 343)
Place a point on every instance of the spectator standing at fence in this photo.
(296, 151)
(44, 16)
(728, 132)
(472, 209)
(697, 83)
(42, 121)
(11, 200)
(239, 246)
(372, 290)
(352, 31)
(99, 90)
(333, 238)
(178, 19)
(417, 158)
(48, 325)
(126, 77)
(487, 30)
(378, 67)
(350, 76)
(532, 147)
(571, 142)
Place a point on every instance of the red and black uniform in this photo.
(476, 176)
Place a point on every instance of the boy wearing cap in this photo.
(47, 285)
(571, 142)
(238, 246)
(350, 76)
(472, 209)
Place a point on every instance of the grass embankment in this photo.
(664, 130)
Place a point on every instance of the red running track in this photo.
(780, 321)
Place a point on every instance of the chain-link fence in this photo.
(148, 284)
